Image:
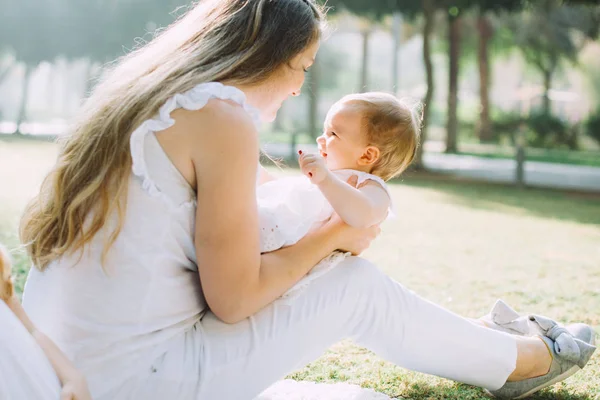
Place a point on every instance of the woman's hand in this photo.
(348, 238)
(75, 388)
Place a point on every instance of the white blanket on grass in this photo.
(292, 390)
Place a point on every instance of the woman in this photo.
(149, 219)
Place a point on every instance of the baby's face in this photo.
(342, 142)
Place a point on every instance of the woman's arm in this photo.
(237, 281)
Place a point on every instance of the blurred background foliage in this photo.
(484, 69)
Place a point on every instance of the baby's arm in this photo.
(359, 207)
(74, 385)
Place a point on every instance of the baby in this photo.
(31, 366)
(368, 139)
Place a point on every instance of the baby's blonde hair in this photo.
(391, 125)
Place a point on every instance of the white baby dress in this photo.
(291, 207)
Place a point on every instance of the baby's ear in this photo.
(6, 286)
(370, 156)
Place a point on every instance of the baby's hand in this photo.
(313, 166)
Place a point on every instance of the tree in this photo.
(454, 33)
(108, 30)
(101, 31)
(313, 104)
(6, 65)
(375, 10)
(428, 17)
(28, 30)
(366, 29)
(368, 13)
(485, 31)
(550, 32)
(455, 10)
(396, 37)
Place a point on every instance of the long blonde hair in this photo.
(240, 41)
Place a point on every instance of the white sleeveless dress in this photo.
(115, 320)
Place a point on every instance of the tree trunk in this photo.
(547, 105)
(364, 72)
(429, 13)
(4, 72)
(454, 23)
(313, 98)
(90, 80)
(24, 99)
(520, 156)
(396, 33)
(484, 128)
(573, 136)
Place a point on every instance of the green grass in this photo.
(459, 244)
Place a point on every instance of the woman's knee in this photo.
(363, 275)
(367, 280)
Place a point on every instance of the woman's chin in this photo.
(268, 118)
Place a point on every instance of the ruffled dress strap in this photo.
(192, 100)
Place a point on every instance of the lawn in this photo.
(460, 244)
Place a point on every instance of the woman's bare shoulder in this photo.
(200, 134)
(217, 116)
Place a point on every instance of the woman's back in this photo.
(118, 315)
